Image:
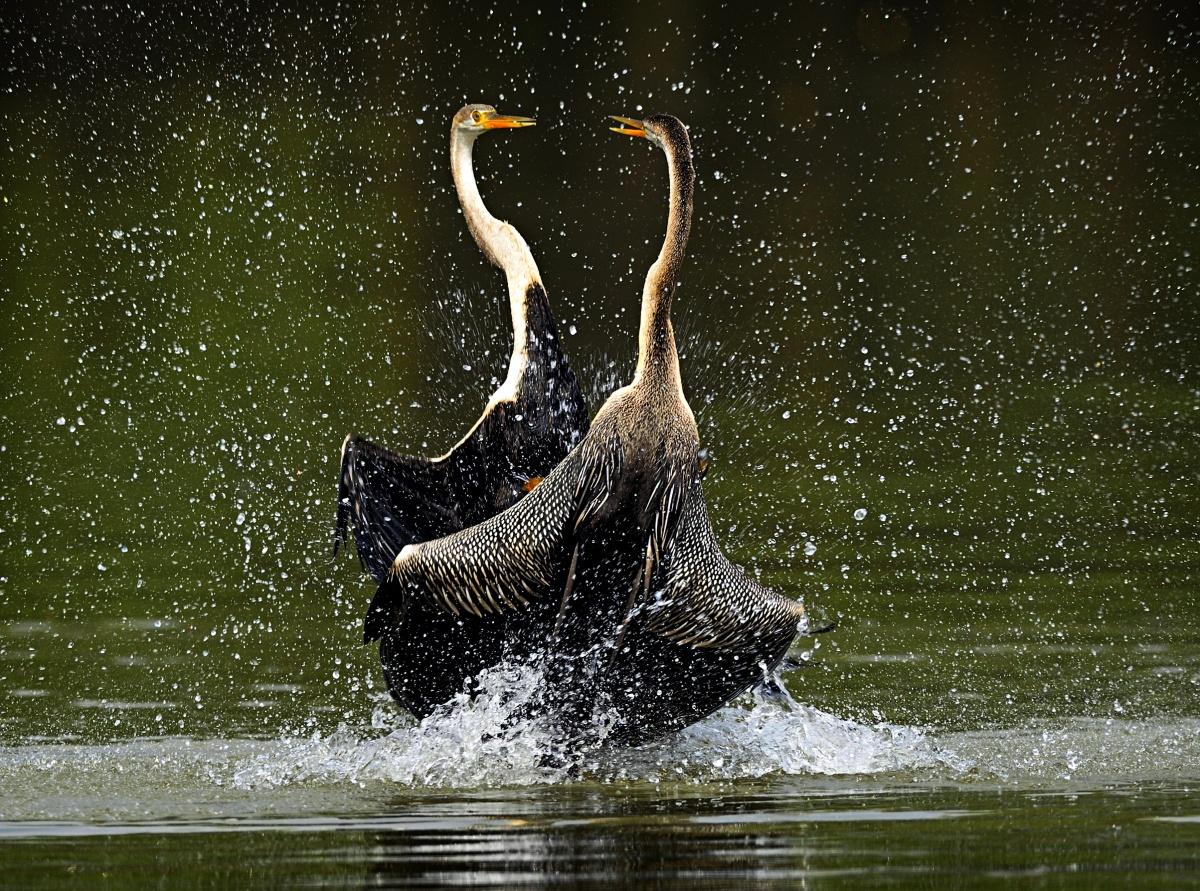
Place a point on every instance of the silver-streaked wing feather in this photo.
(500, 565)
(704, 601)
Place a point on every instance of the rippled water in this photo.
(773, 792)
(769, 790)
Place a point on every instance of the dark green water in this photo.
(939, 327)
(783, 835)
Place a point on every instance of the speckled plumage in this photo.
(610, 568)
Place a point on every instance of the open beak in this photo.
(506, 122)
(630, 126)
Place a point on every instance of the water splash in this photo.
(230, 780)
(773, 736)
(469, 742)
(476, 742)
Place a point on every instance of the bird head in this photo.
(476, 119)
(658, 128)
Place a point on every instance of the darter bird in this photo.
(611, 561)
(530, 423)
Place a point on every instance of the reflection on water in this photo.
(784, 833)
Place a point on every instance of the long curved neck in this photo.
(657, 357)
(500, 242)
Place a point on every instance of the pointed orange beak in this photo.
(506, 122)
(630, 128)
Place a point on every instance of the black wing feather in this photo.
(390, 501)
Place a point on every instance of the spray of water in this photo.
(469, 742)
(481, 742)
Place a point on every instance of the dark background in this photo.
(942, 268)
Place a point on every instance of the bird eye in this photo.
(477, 116)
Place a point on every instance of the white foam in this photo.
(477, 742)
(788, 738)
(467, 743)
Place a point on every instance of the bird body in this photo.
(609, 566)
(530, 423)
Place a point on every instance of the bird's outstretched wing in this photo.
(389, 500)
(495, 567)
(702, 600)
(392, 500)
